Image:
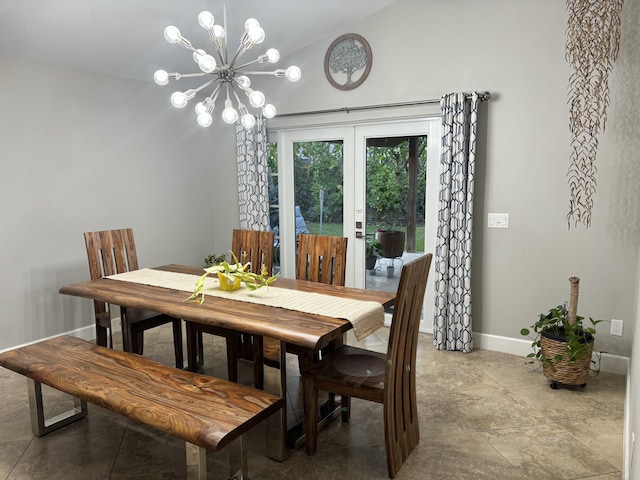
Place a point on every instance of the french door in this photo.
(353, 180)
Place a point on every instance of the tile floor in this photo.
(483, 415)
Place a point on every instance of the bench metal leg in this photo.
(238, 466)
(197, 461)
(41, 426)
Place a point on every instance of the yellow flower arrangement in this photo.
(231, 275)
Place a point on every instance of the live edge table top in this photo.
(294, 327)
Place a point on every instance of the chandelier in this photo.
(225, 75)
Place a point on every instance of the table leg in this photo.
(127, 342)
(275, 381)
(193, 349)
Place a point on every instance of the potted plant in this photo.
(388, 194)
(563, 342)
(392, 242)
(214, 259)
(372, 253)
(231, 276)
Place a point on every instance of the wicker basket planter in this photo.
(565, 372)
(563, 342)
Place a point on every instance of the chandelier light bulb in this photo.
(244, 82)
(229, 114)
(205, 119)
(219, 33)
(269, 111)
(207, 63)
(293, 74)
(161, 77)
(273, 55)
(172, 34)
(250, 24)
(248, 120)
(180, 99)
(205, 19)
(200, 108)
(197, 54)
(256, 99)
(256, 35)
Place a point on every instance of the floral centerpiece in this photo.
(231, 276)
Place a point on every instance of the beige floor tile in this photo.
(548, 452)
(602, 435)
(482, 416)
(459, 457)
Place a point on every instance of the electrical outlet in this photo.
(617, 327)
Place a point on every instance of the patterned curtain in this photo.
(253, 175)
(452, 317)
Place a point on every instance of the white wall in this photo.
(70, 139)
(83, 152)
(515, 50)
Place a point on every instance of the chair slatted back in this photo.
(400, 372)
(254, 246)
(322, 258)
(110, 252)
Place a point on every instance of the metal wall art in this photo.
(593, 39)
(348, 61)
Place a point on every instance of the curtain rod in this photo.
(483, 97)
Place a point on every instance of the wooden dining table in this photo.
(302, 330)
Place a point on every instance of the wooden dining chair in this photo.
(252, 246)
(111, 252)
(321, 258)
(389, 379)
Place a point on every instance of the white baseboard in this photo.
(85, 333)
(515, 346)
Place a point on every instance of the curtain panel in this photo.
(452, 318)
(253, 175)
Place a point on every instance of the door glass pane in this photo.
(395, 207)
(318, 187)
(274, 210)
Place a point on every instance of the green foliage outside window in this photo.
(320, 165)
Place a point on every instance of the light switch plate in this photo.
(498, 220)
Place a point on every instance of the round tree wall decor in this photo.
(348, 61)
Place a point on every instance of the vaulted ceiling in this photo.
(124, 38)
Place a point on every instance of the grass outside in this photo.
(335, 230)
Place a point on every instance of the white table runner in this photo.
(365, 317)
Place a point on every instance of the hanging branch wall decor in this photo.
(593, 39)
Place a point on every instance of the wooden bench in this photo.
(207, 413)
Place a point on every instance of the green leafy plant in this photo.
(214, 259)
(556, 324)
(373, 248)
(234, 273)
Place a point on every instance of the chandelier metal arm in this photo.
(257, 60)
(205, 85)
(263, 72)
(240, 51)
(189, 75)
